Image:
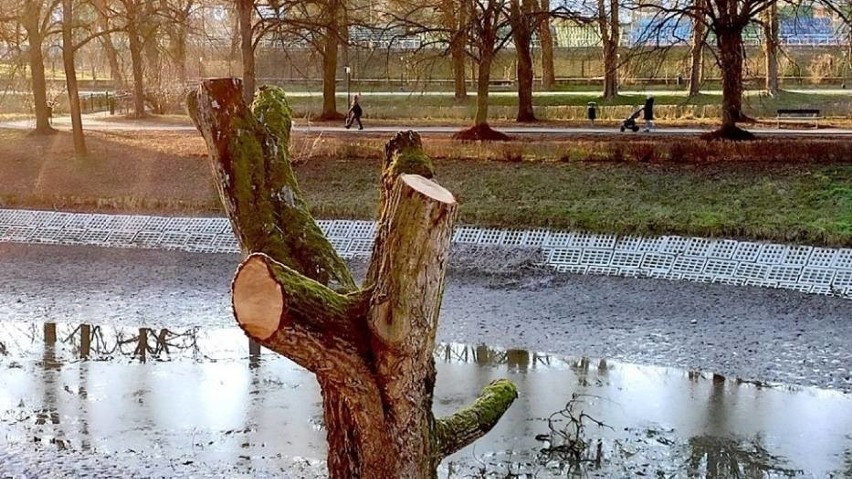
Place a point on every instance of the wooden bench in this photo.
(797, 115)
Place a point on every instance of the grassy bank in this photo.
(528, 184)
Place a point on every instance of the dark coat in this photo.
(356, 110)
(648, 109)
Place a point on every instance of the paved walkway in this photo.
(103, 122)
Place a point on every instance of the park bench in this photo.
(798, 115)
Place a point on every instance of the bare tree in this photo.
(726, 20)
(523, 19)
(770, 47)
(609, 27)
(68, 50)
(322, 24)
(697, 45)
(104, 23)
(245, 9)
(371, 348)
(488, 35)
(545, 35)
(36, 19)
(456, 13)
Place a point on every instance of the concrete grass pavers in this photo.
(816, 270)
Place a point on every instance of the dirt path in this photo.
(750, 333)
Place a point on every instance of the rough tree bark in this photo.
(136, 44)
(608, 24)
(729, 40)
(521, 14)
(68, 51)
(456, 19)
(31, 19)
(371, 348)
(770, 48)
(699, 37)
(548, 73)
(244, 13)
(331, 41)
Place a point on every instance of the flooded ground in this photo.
(108, 401)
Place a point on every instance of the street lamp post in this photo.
(348, 82)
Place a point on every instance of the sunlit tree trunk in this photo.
(699, 37)
(770, 47)
(116, 75)
(68, 51)
(730, 43)
(136, 44)
(371, 348)
(548, 73)
(456, 12)
(331, 42)
(149, 28)
(244, 14)
(521, 17)
(488, 18)
(608, 23)
(482, 86)
(31, 21)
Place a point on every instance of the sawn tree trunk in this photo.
(371, 348)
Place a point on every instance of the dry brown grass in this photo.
(786, 190)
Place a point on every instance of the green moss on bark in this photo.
(412, 160)
(272, 110)
(474, 421)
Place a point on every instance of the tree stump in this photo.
(371, 348)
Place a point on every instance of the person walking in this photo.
(648, 112)
(355, 113)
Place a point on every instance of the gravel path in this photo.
(750, 333)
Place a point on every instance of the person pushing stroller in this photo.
(646, 111)
(354, 113)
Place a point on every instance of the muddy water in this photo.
(199, 397)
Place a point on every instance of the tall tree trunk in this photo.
(116, 74)
(371, 348)
(699, 36)
(245, 9)
(329, 75)
(178, 48)
(456, 20)
(608, 24)
(71, 78)
(149, 29)
(30, 20)
(729, 40)
(770, 48)
(521, 18)
(136, 58)
(548, 73)
(482, 85)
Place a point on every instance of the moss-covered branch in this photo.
(403, 155)
(469, 424)
(256, 182)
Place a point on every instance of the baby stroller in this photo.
(629, 123)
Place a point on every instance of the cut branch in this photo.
(412, 259)
(469, 424)
(269, 296)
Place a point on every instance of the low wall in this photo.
(804, 268)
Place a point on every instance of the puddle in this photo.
(198, 396)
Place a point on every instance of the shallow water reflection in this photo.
(208, 395)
